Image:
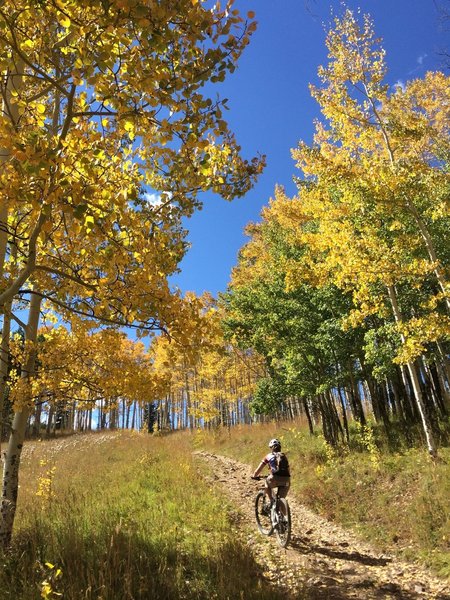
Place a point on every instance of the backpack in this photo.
(282, 465)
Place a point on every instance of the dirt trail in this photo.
(323, 561)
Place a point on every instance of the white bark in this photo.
(13, 452)
(438, 271)
(431, 444)
(4, 358)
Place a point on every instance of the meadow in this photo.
(398, 500)
(121, 516)
(126, 515)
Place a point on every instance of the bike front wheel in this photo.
(262, 514)
(283, 527)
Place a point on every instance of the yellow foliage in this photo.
(373, 183)
(112, 108)
(417, 332)
(201, 367)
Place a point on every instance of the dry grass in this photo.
(123, 516)
(399, 501)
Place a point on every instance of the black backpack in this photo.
(282, 465)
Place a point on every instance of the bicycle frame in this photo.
(275, 517)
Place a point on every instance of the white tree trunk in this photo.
(431, 444)
(15, 444)
(13, 82)
(4, 359)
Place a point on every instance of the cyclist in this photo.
(279, 476)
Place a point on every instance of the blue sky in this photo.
(271, 108)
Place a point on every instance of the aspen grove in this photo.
(103, 110)
(337, 310)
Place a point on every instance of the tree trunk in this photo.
(344, 413)
(51, 412)
(4, 362)
(37, 419)
(434, 386)
(355, 399)
(445, 362)
(337, 425)
(3, 227)
(401, 382)
(308, 416)
(438, 271)
(442, 386)
(13, 83)
(15, 444)
(113, 415)
(133, 418)
(431, 444)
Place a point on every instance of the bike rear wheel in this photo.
(283, 527)
(262, 514)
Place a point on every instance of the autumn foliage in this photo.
(344, 287)
(107, 137)
(338, 307)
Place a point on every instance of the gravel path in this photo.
(323, 561)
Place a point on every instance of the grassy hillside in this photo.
(400, 501)
(123, 516)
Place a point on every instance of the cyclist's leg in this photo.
(283, 484)
(269, 485)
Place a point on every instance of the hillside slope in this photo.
(128, 516)
(323, 561)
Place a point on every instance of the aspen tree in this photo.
(107, 137)
(371, 204)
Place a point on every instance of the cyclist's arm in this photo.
(259, 469)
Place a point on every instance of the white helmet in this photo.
(275, 444)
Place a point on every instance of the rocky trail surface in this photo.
(322, 561)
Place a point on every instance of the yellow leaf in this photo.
(129, 128)
(89, 223)
(63, 20)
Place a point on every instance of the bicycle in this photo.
(273, 517)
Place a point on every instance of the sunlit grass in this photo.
(127, 518)
(400, 501)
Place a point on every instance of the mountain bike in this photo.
(273, 517)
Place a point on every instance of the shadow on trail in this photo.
(327, 583)
(304, 545)
(346, 592)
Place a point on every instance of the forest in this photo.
(337, 311)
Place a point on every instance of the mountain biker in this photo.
(279, 476)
